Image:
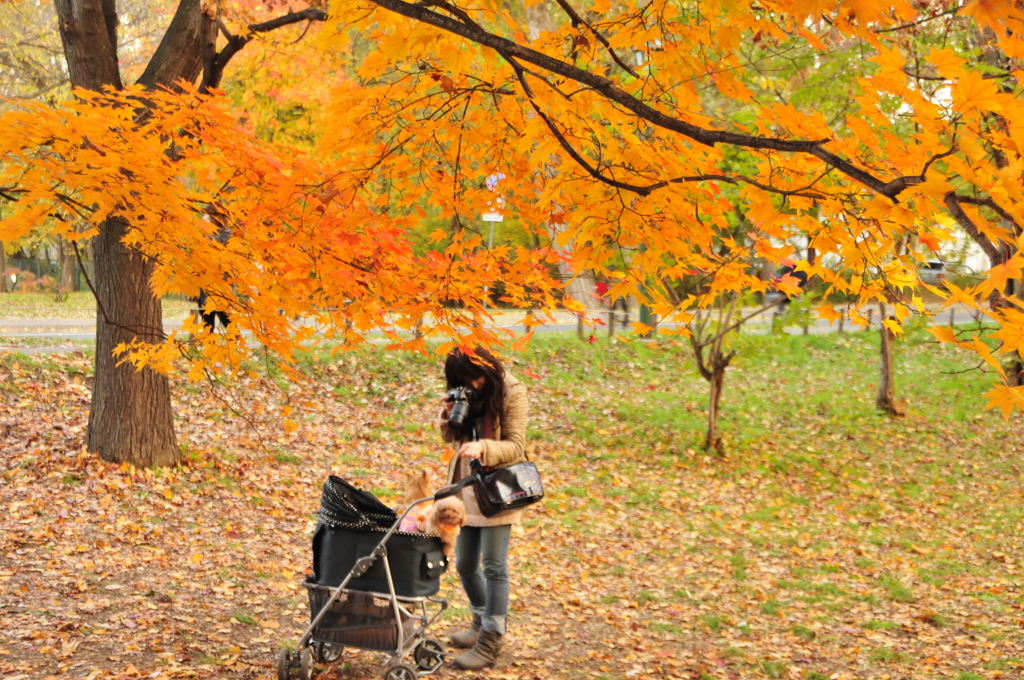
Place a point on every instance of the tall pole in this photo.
(490, 244)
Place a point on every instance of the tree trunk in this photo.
(713, 440)
(1015, 364)
(3, 268)
(66, 255)
(886, 398)
(131, 418)
(1015, 370)
(88, 30)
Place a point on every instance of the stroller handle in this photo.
(452, 489)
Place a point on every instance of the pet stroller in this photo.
(372, 587)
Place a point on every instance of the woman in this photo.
(498, 419)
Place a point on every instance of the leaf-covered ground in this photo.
(831, 543)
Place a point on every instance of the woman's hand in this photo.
(447, 404)
(472, 450)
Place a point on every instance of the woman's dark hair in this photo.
(460, 369)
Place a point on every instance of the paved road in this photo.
(70, 334)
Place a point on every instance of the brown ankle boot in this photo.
(466, 638)
(483, 655)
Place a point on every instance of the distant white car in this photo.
(934, 272)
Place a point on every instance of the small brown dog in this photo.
(418, 487)
(446, 519)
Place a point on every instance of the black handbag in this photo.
(507, 488)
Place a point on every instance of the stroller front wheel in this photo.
(284, 664)
(400, 671)
(306, 664)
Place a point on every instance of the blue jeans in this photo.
(487, 589)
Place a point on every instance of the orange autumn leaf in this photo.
(944, 334)
(1005, 398)
(996, 277)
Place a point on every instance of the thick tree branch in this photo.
(990, 204)
(289, 19)
(180, 53)
(644, 190)
(215, 62)
(613, 93)
(953, 202)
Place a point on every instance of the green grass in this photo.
(645, 597)
(897, 591)
(739, 567)
(713, 622)
(79, 305)
(666, 628)
(773, 669)
(803, 632)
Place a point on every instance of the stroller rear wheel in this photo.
(429, 655)
(326, 653)
(400, 671)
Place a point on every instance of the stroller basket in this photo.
(357, 622)
(417, 561)
(351, 524)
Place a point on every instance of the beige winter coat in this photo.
(506, 448)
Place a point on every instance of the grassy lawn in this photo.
(831, 542)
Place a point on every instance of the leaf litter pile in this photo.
(832, 542)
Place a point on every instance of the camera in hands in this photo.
(462, 399)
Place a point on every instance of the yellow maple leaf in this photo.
(891, 61)
(974, 92)
(801, 9)
(946, 62)
(894, 327)
(956, 294)
(1005, 398)
(943, 334)
(996, 278)
(828, 312)
(990, 13)
(986, 354)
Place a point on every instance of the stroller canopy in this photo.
(343, 506)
